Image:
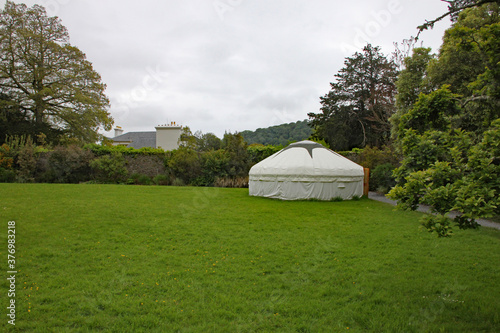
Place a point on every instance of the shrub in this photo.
(102, 150)
(161, 180)
(149, 165)
(371, 157)
(215, 164)
(258, 152)
(462, 178)
(185, 164)
(69, 164)
(7, 175)
(178, 182)
(145, 180)
(109, 168)
(6, 159)
(27, 162)
(439, 224)
(381, 178)
(139, 179)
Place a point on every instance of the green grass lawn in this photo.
(186, 259)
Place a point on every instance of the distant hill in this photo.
(279, 135)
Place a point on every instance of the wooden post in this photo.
(366, 182)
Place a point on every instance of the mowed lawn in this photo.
(185, 259)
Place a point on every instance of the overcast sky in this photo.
(230, 65)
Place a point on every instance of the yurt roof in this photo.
(305, 160)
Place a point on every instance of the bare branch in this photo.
(451, 11)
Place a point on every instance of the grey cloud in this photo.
(254, 65)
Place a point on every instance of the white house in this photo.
(165, 137)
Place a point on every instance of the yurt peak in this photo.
(306, 144)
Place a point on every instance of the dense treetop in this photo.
(279, 135)
(47, 85)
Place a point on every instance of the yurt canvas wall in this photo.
(306, 170)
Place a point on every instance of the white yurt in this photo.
(306, 170)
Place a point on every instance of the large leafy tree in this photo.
(356, 111)
(450, 136)
(411, 82)
(47, 80)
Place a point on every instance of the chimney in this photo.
(118, 131)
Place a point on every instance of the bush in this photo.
(109, 168)
(139, 179)
(215, 164)
(371, 157)
(6, 159)
(382, 179)
(149, 165)
(161, 180)
(102, 150)
(7, 175)
(178, 182)
(258, 152)
(69, 164)
(439, 224)
(27, 162)
(185, 164)
(466, 182)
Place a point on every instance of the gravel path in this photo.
(425, 209)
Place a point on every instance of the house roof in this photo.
(137, 139)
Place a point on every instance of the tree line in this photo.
(280, 134)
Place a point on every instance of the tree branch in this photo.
(451, 11)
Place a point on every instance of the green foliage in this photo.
(237, 153)
(280, 135)
(215, 164)
(449, 136)
(6, 158)
(380, 161)
(430, 112)
(139, 179)
(19, 154)
(185, 164)
(7, 175)
(178, 182)
(356, 111)
(27, 162)
(422, 151)
(257, 153)
(439, 224)
(109, 168)
(371, 157)
(467, 181)
(100, 150)
(207, 141)
(479, 192)
(161, 180)
(14, 123)
(52, 80)
(66, 164)
(381, 178)
(187, 139)
(411, 80)
(410, 84)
